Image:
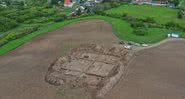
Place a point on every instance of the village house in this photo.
(69, 3)
(154, 2)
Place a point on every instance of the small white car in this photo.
(144, 45)
(128, 46)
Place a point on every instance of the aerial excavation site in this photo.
(92, 49)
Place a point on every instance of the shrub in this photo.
(102, 6)
(129, 18)
(3, 42)
(173, 25)
(106, 6)
(61, 18)
(2, 8)
(136, 24)
(124, 15)
(6, 24)
(85, 15)
(10, 36)
(30, 29)
(140, 31)
(16, 35)
(43, 14)
(155, 25)
(78, 12)
(12, 16)
(99, 12)
(23, 18)
(39, 14)
(181, 14)
(149, 20)
(115, 4)
(170, 24)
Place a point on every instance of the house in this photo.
(96, 1)
(69, 3)
(141, 1)
(154, 2)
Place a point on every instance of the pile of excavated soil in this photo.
(93, 67)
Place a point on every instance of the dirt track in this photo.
(156, 73)
(22, 71)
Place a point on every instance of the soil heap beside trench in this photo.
(96, 68)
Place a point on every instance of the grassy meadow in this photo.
(161, 15)
(44, 17)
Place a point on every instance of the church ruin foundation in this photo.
(96, 68)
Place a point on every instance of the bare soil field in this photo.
(156, 73)
(22, 71)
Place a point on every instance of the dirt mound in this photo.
(94, 67)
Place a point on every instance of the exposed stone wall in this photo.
(94, 67)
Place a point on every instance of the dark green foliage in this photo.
(43, 14)
(24, 18)
(61, 18)
(124, 15)
(181, 14)
(1, 8)
(3, 42)
(173, 25)
(105, 6)
(149, 20)
(56, 1)
(78, 12)
(16, 35)
(136, 24)
(99, 12)
(6, 24)
(115, 4)
(140, 31)
(18, 15)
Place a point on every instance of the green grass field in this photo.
(160, 14)
(120, 27)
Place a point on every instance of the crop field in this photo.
(160, 14)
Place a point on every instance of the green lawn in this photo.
(160, 14)
(120, 27)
